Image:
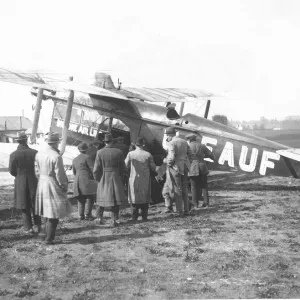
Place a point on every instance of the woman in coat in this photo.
(85, 187)
(109, 172)
(141, 164)
(51, 195)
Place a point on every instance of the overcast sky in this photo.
(247, 50)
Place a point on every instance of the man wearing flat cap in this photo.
(51, 195)
(85, 187)
(198, 170)
(178, 162)
(21, 166)
(109, 173)
(141, 164)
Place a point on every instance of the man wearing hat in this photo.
(119, 144)
(85, 187)
(178, 162)
(198, 171)
(109, 173)
(140, 163)
(21, 166)
(51, 195)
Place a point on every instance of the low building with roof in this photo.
(9, 126)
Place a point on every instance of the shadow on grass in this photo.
(9, 214)
(108, 238)
(234, 182)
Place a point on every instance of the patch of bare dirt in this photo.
(246, 245)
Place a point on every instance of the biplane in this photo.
(81, 112)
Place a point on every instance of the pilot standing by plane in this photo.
(198, 170)
(178, 162)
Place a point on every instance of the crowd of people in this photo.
(41, 183)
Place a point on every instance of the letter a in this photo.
(227, 154)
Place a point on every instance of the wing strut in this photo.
(67, 120)
(207, 109)
(36, 115)
(181, 109)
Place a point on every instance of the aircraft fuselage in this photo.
(232, 148)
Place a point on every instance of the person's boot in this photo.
(206, 198)
(135, 213)
(29, 231)
(181, 214)
(89, 206)
(89, 217)
(43, 232)
(113, 219)
(80, 210)
(99, 221)
(145, 213)
(51, 230)
(168, 203)
(99, 216)
(116, 213)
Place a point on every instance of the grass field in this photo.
(246, 245)
(286, 137)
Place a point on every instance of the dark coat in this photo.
(199, 152)
(124, 148)
(84, 183)
(21, 166)
(109, 172)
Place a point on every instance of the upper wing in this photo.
(34, 80)
(144, 94)
(167, 94)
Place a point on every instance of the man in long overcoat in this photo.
(109, 172)
(51, 196)
(84, 187)
(198, 171)
(140, 163)
(21, 166)
(119, 144)
(178, 162)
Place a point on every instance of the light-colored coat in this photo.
(199, 152)
(51, 195)
(179, 155)
(109, 172)
(140, 163)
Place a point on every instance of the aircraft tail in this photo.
(292, 159)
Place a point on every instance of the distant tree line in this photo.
(220, 119)
(265, 124)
